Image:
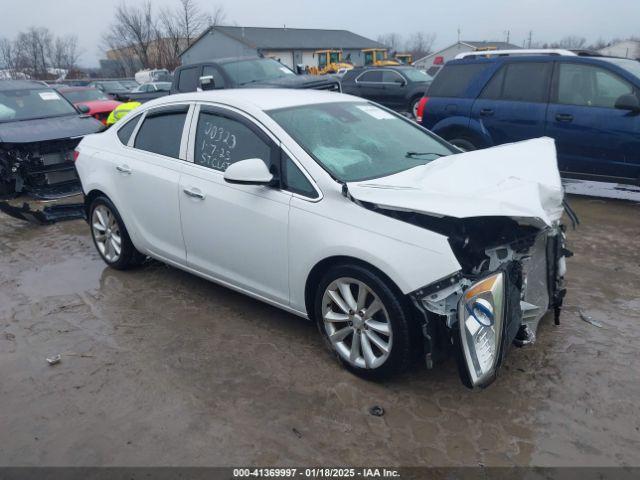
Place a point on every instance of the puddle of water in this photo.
(70, 276)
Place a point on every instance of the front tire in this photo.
(110, 236)
(364, 321)
(463, 144)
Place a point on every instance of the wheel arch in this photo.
(320, 268)
(470, 130)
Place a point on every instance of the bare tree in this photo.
(218, 17)
(131, 34)
(64, 52)
(7, 55)
(32, 51)
(393, 41)
(570, 42)
(420, 44)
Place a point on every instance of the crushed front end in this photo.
(511, 276)
(35, 177)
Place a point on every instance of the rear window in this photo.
(124, 133)
(520, 82)
(454, 80)
(161, 132)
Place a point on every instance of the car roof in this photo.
(528, 58)
(20, 85)
(260, 98)
(222, 61)
(73, 88)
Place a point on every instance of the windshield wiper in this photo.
(419, 154)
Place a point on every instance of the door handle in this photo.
(194, 193)
(564, 117)
(486, 112)
(124, 169)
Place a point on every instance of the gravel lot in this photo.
(160, 367)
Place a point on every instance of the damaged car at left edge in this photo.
(39, 130)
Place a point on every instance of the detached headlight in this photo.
(481, 317)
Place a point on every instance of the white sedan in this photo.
(341, 211)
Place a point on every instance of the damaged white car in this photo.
(335, 209)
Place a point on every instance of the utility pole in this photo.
(459, 34)
(530, 36)
(508, 32)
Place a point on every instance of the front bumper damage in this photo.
(532, 284)
(39, 183)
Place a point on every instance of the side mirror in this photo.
(83, 109)
(628, 102)
(252, 171)
(206, 83)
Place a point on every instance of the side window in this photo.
(526, 82)
(589, 86)
(294, 180)
(371, 76)
(188, 79)
(124, 132)
(454, 80)
(389, 76)
(221, 141)
(161, 131)
(493, 90)
(215, 73)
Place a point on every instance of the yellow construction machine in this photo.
(329, 61)
(378, 57)
(404, 58)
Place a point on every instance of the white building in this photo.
(434, 61)
(626, 49)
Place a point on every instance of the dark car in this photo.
(39, 130)
(589, 104)
(99, 103)
(113, 88)
(147, 91)
(399, 88)
(251, 72)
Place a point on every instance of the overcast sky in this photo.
(479, 20)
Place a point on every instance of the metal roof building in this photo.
(292, 46)
(461, 46)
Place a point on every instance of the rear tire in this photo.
(364, 321)
(110, 236)
(413, 107)
(463, 144)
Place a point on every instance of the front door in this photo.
(236, 234)
(513, 105)
(594, 139)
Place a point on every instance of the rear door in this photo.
(594, 139)
(394, 89)
(513, 105)
(146, 178)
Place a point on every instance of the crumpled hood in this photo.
(517, 180)
(45, 129)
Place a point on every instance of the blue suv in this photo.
(589, 104)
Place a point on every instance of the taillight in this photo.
(76, 154)
(420, 110)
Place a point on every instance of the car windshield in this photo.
(84, 95)
(29, 104)
(416, 75)
(244, 72)
(632, 66)
(357, 141)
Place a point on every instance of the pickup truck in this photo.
(246, 72)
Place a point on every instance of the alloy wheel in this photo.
(357, 323)
(106, 233)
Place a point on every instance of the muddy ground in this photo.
(160, 367)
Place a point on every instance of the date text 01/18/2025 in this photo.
(316, 472)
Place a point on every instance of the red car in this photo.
(100, 104)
